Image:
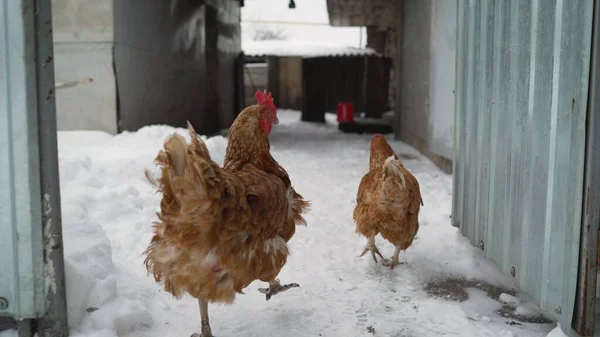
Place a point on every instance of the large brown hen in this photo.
(387, 202)
(219, 229)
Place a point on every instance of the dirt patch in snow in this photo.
(455, 289)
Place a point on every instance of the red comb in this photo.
(264, 98)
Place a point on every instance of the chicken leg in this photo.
(206, 332)
(371, 247)
(275, 288)
(394, 260)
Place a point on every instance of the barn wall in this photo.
(414, 82)
(425, 88)
(290, 82)
(229, 46)
(176, 63)
(440, 133)
(160, 69)
(285, 81)
(83, 42)
(520, 131)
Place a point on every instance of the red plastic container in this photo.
(345, 112)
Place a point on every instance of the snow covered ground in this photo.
(108, 208)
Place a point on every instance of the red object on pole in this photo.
(345, 112)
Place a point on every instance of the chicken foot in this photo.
(394, 261)
(206, 332)
(275, 288)
(371, 247)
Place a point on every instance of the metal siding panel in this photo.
(495, 232)
(484, 121)
(540, 117)
(522, 77)
(21, 245)
(527, 129)
(457, 162)
(471, 119)
(520, 51)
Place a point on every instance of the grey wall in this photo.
(83, 41)
(176, 61)
(162, 52)
(440, 134)
(414, 81)
(425, 115)
(229, 48)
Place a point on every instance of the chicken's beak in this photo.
(275, 120)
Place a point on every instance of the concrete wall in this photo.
(176, 62)
(425, 87)
(442, 78)
(83, 41)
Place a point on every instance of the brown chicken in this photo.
(387, 202)
(219, 229)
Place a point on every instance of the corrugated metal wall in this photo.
(521, 99)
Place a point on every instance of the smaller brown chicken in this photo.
(387, 202)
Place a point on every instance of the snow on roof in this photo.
(301, 48)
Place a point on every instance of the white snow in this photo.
(522, 307)
(557, 332)
(509, 299)
(108, 209)
(301, 48)
(528, 310)
(309, 22)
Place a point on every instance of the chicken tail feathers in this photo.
(392, 168)
(395, 176)
(191, 185)
(190, 181)
(197, 145)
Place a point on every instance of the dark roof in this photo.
(353, 13)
